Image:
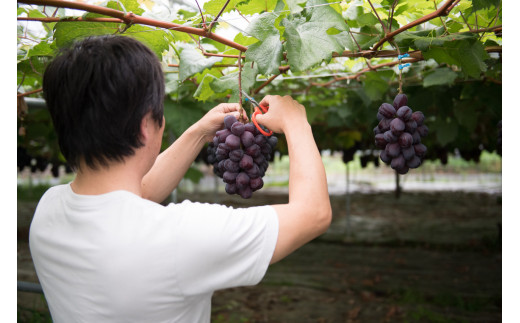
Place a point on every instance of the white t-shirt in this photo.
(117, 257)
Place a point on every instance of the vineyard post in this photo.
(347, 203)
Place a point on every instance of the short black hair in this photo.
(98, 90)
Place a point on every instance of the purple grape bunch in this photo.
(399, 134)
(240, 155)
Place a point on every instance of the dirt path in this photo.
(427, 257)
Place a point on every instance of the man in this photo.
(103, 247)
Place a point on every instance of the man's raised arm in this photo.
(308, 213)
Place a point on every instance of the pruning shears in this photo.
(258, 109)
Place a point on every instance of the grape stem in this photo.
(240, 117)
(400, 62)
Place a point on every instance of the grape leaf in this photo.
(129, 6)
(229, 83)
(308, 40)
(250, 7)
(440, 76)
(375, 85)
(483, 4)
(67, 32)
(295, 6)
(42, 49)
(213, 7)
(194, 174)
(156, 39)
(204, 90)
(466, 115)
(357, 17)
(180, 117)
(192, 61)
(267, 52)
(446, 130)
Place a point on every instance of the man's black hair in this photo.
(97, 91)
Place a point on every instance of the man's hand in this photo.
(214, 119)
(284, 113)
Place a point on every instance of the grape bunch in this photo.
(240, 155)
(399, 134)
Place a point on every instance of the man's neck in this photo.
(117, 176)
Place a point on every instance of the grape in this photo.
(254, 171)
(414, 162)
(229, 177)
(245, 192)
(260, 140)
(240, 155)
(404, 113)
(405, 140)
(238, 128)
(256, 183)
(247, 139)
(229, 120)
(231, 166)
(420, 150)
(384, 157)
(380, 141)
(389, 136)
(416, 138)
(398, 162)
(253, 150)
(397, 126)
(250, 128)
(410, 126)
(384, 124)
(233, 142)
(398, 133)
(242, 180)
(246, 162)
(387, 110)
(400, 100)
(231, 188)
(408, 153)
(236, 155)
(422, 130)
(393, 149)
(272, 141)
(259, 160)
(222, 135)
(418, 117)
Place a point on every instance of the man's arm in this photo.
(308, 213)
(171, 165)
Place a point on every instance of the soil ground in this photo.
(425, 257)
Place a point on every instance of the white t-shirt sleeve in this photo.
(219, 247)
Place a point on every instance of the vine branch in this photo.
(442, 11)
(131, 18)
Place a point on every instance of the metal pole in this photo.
(347, 203)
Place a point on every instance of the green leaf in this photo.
(42, 49)
(193, 174)
(267, 52)
(180, 117)
(446, 131)
(129, 6)
(256, 6)
(466, 115)
(440, 76)
(192, 61)
(375, 86)
(156, 39)
(229, 83)
(295, 6)
(357, 17)
(483, 4)
(204, 90)
(213, 7)
(67, 32)
(308, 40)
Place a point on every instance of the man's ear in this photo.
(146, 127)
